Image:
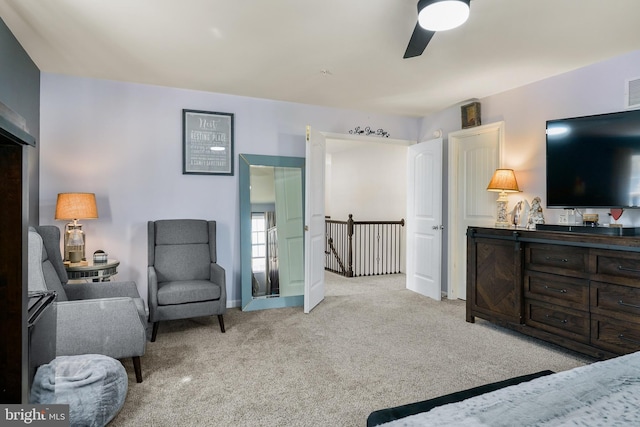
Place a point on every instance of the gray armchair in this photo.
(185, 280)
(92, 318)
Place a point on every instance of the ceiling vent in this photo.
(632, 93)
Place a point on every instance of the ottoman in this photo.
(94, 386)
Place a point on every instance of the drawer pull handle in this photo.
(557, 320)
(549, 258)
(628, 305)
(623, 338)
(633, 270)
(562, 291)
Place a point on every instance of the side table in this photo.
(98, 271)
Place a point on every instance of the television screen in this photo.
(594, 161)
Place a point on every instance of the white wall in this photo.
(595, 89)
(368, 182)
(123, 141)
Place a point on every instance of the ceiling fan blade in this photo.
(418, 42)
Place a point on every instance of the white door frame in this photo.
(355, 141)
(454, 270)
(314, 274)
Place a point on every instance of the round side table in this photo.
(98, 272)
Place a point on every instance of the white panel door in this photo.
(290, 226)
(474, 154)
(314, 219)
(424, 218)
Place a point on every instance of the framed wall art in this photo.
(470, 115)
(207, 143)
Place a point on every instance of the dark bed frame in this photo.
(390, 414)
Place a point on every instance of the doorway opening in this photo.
(365, 204)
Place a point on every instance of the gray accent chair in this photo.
(107, 318)
(185, 280)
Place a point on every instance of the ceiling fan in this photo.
(435, 15)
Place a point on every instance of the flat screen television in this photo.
(594, 161)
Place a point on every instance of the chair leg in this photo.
(137, 368)
(154, 333)
(221, 321)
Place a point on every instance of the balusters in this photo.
(363, 248)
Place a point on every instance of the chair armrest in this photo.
(218, 276)
(93, 290)
(108, 326)
(96, 290)
(152, 292)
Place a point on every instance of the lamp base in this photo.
(73, 251)
(75, 256)
(502, 220)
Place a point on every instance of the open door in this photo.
(424, 218)
(314, 241)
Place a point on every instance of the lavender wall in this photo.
(595, 89)
(123, 142)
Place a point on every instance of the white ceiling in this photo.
(337, 53)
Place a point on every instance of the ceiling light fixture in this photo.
(441, 15)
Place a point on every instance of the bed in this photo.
(602, 393)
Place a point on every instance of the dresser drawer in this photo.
(612, 265)
(558, 320)
(561, 290)
(557, 259)
(615, 300)
(614, 335)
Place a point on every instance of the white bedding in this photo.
(604, 393)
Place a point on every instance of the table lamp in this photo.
(73, 207)
(503, 181)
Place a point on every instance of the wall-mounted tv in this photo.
(594, 161)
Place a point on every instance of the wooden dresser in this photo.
(577, 290)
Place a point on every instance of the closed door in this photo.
(474, 154)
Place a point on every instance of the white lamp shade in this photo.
(441, 15)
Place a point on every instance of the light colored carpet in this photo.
(369, 345)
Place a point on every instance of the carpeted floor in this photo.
(370, 344)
